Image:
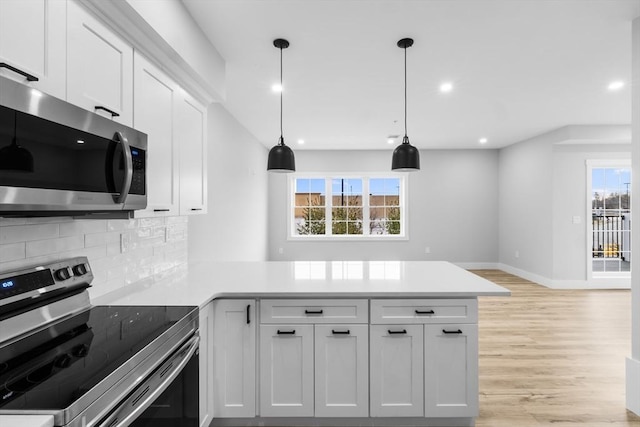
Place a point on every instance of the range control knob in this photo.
(79, 270)
(62, 274)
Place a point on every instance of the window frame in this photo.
(328, 179)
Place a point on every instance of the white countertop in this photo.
(202, 282)
(26, 420)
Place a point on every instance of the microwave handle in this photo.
(128, 166)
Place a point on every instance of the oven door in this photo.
(168, 397)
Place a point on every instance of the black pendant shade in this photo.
(281, 158)
(13, 157)
(405, 157)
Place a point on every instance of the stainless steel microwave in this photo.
(59, 159)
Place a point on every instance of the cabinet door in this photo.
(99, 66)
(451, 370)
(286, 371)
(397, 371)
(191, 139)
(33, 39)
(234, 358)
(155, 101)
(206, 365)
(342, 370)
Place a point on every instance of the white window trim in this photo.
(590, 165)
(328, 177)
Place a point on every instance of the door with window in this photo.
(609, 237)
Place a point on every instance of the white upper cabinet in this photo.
(191, 139)
(155, 104)
(33, 40)
(99, 67)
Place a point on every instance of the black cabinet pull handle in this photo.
(161, 210)
(100, 107)
(291, 332)
(313, 312)
(404, 331)
(248, 314)
(347, 332)
(444, 331)
(29, 77)
(425, 312)
(196, 209)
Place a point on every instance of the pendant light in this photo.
(281, 157)
(405, 157)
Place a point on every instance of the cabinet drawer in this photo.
(314, 311)
(424, 311)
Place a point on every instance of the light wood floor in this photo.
(553, 357)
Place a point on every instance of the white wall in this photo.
(235, 228)
(453, 208)
(633, 362)
(526, 173)
(569, 200)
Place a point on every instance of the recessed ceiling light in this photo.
(483, 140)
(277, 87)
(390, 141)
(446, 87)
(617, 85)
(80, 141)
(301, 141)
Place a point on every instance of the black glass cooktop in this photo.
(54, 367)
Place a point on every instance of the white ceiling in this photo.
(520, 68)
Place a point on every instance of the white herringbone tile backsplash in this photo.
(154, 246)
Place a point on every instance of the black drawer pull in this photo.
(425, 312)
(161, 210)
(248, 314)
(347, 332)
(313, 312)
(404, 331)
(196, 209)
(444, 331)
(28, 76)
(291, 332)
(100, 107)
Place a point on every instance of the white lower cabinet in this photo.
(206, 364)
(451, 370)
(397, 371)
(286, 371)
(234, 354)
(341, 370)
(368, 368)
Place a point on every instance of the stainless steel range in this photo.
(108, 366)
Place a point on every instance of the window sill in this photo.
(347, 238)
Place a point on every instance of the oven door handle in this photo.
(143, 396)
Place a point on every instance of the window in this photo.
(348, 207)
(609, 240)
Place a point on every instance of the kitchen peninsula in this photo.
(331, 343)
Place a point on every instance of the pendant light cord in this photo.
(281, 90)
(405, 93)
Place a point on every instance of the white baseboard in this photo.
(596, 283)
(633, 385)
(536, 278)
(477, 265)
